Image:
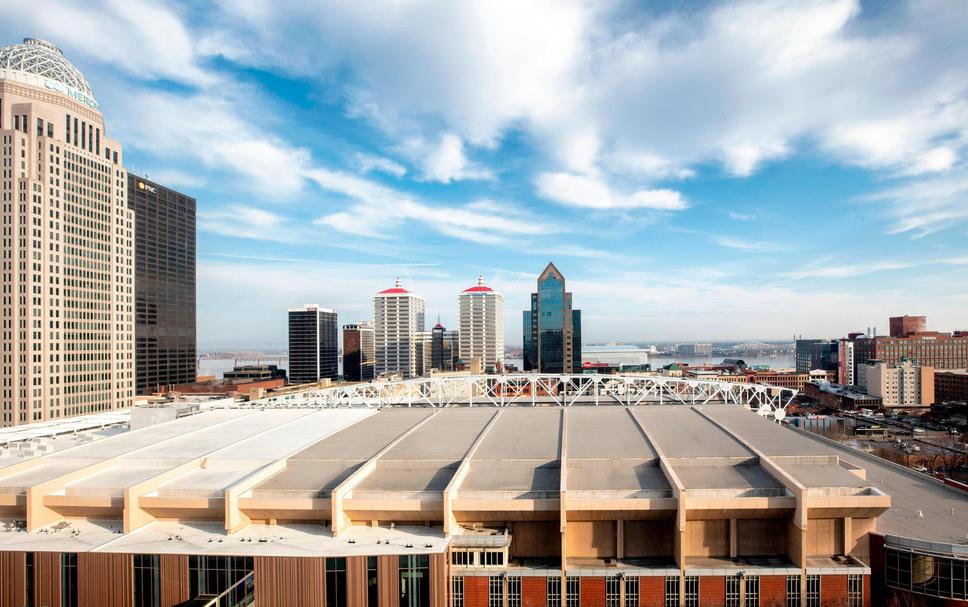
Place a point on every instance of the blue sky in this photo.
(707, 170)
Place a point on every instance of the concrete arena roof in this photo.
(400, 453)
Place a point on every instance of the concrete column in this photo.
(732, 538)
(620, 539)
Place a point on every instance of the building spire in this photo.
(480, 280)
(397, 283)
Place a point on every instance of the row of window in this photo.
(741, 591)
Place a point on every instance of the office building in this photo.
(951, 385)
(816, 354)
(552, 328)
(445, 347)
(924, 348)
(902, 326)
(164, 293)
(68, 245)
(481, 319)
(359, 354)
(647, 505)
(695, 349)
(313, 344)
(838, 396)
(905, 384)
(398, 315)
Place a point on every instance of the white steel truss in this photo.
(540, 389)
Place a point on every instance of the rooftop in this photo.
(294, 462)
(41, 58)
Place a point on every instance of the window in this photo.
(553, 588)
(672, 591)
(613, 592)
(456, 592)
(514, 591)
(69, 579)
(495, 591)
(414, 580)
(813, 591)
(691, 591)
(752, 591)
(147, 581)
(462, 558)
(855, 590)
(373, 584)
(793, 591)
(631, 592)
(336, 582)
(572, 591)
(215, 574)
(732, 590)
(493, 558)
(29, 578)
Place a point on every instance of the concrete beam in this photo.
(339, 522)
(678, 491)
(39, 515)
(450, 521)
(782, 477)
(563, 491)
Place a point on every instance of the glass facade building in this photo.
(164, 285)
(313, 344)
(552, 328)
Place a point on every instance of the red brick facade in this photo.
(534, 592)
(475, 591)
(652, 591)
(833, 590)
(592, 592)
(712, 591)
(772, 590)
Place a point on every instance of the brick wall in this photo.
(534, 591)
(833, 590)
(652, 591)
(592, 592)
(475, 591)
(772, 590)
(712, 591)
(867, 591)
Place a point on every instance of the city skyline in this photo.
(743, 206)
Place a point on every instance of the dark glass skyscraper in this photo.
(164, 284)
(313, 344)
(552, 329)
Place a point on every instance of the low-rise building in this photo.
(951, 385)
(248, 373)
(839, 396)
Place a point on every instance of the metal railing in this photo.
(240, 594)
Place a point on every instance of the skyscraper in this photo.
(164, 298)
(813, 354)
(313, 344)
(552, 329)
(444, 348)
(358, 351)
(398, 316)
(481, 312)
(68, 244)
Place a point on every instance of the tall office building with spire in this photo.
(481, 315)
(68, 251)
(552, 328)
(398, 317)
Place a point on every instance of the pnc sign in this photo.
(71, 92)
(144, 186)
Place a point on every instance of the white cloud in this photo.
(145, 39)
(925, 206)
(594, 193)
(851, 270)
(367, 163)
(443, 160)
